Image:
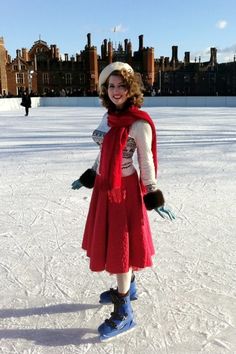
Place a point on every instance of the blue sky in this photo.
(193, 26)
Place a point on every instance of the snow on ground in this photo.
(48, 296)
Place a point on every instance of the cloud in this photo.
(221, 24)
(231, 49)
(224, 55)
(118, 28)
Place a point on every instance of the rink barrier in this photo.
(10, 104)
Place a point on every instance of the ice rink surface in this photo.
(48, 296)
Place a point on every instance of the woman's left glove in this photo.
(155, 200)
(165, 212)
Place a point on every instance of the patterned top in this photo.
(140, 139)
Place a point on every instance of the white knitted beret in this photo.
(106, 72)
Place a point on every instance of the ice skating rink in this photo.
(48, 296)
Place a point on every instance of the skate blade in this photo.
(107, 339)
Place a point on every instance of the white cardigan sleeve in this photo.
(141, 131)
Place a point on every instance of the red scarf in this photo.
(112, 149)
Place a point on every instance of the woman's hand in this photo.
(76, 184)
(165, 212)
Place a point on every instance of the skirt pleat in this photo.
(117, 236)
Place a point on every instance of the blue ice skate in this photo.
(105, 297)
(121, 320)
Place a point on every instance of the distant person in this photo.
(62, 93)
(117, 234)
(26, 101)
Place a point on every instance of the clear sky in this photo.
(193, 26)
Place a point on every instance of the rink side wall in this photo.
(10, 104)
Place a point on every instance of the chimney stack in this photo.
(89, 40)
(186, 58)
(141, 42)
(174, 53)
(213, 58)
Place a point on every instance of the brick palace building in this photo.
(42, 70)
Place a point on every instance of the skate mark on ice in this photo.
(179, 337)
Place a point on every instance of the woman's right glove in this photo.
(154, 199)
(87, 179)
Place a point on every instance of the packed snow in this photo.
(49, 297)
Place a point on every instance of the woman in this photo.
(117, 235)
(26, 101)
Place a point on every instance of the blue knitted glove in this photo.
(76, 184)
(165, 212)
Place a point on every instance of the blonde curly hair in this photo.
(133, 84)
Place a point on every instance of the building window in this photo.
(19, 78)
(68, 79)
(186, 78)
(45, 78)
(82, 79)
(15, 67)
(166, 77)
(22, 67)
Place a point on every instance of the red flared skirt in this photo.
(117, 236)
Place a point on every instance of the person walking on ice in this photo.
(117, 236)
(26, 101)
